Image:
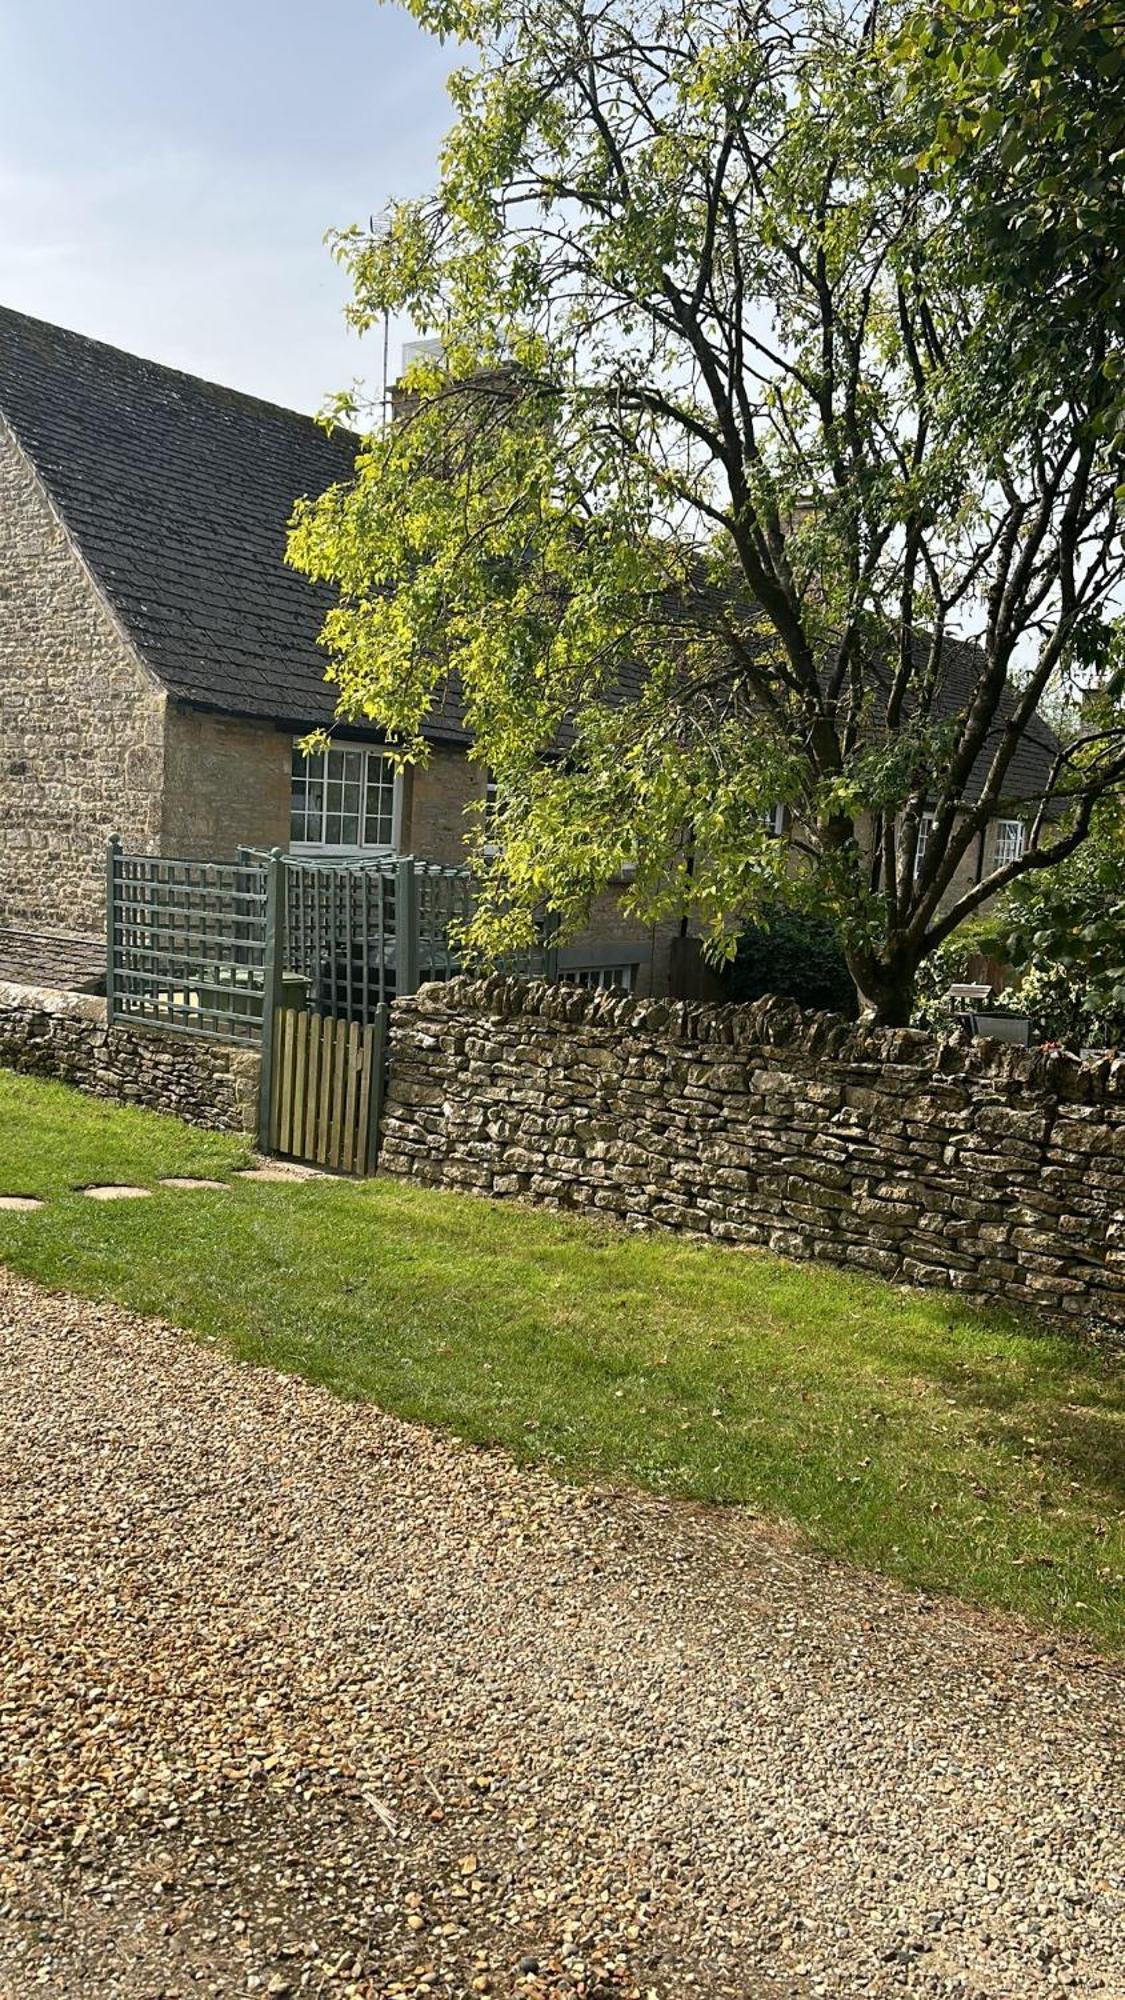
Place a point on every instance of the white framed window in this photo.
(774, 818)
(491, 812)
(344, 799)
(925, 829)
(1009, 841)
(623, 977)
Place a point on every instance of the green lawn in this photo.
(949, 1447)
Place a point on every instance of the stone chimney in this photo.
(405, 401)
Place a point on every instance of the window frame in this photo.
(599, 976)
(366, 751)
(925, 828)
(491, 798)
(1002, 852)
(589, 964)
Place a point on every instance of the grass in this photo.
(949, 1447)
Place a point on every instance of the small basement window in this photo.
(344, 799)
(623, 978)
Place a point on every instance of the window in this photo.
(925, 828)
(606, 977)
(1011, 838)
(491, 810)
(774, 818)
(343, 797)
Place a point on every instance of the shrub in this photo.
(797, 956)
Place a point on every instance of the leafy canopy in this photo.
(724, 449)
(1023, 105)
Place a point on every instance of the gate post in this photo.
(406, 927)
(378, 1083)
(273, 969)
(113, 850)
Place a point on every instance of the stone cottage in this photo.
(159, 662)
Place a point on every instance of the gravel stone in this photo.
(299, 1699)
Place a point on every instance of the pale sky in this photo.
(168, 171)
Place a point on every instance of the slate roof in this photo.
(1029, 772)
(177, 493)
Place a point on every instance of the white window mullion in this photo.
(1009, 841)
(357, 791)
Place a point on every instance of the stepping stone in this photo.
(190, 1181)
(20, 1203)
(277, 1171)
(114, 1192)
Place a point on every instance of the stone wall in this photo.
(994, 1170)
(65, 1035)
(81, 722)
(438, 803)
(226, 785)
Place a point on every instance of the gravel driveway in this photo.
(295, 1698)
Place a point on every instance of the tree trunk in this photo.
(885, 989)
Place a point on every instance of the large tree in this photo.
(726, 492)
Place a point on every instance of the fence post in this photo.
(378, 1082)
(113, 850)
(273, 972)
(406, 926)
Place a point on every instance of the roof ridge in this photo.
(168, 368)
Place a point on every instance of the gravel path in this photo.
(295, 1698)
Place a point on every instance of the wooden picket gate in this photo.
(326, 1088)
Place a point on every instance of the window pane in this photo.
(379, 821)
(305, 796)
(343, 797)
(1010, 837)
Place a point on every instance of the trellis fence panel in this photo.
(186, 944)
(341, 928)
(302, 954)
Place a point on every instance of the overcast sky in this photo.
(168, 171)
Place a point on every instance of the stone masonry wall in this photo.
(994, 1170)
(439, 799)
(81, 723)
(65, 1035)
(226, 784)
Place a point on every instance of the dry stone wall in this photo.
(65, 1035)
(997, 1171)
